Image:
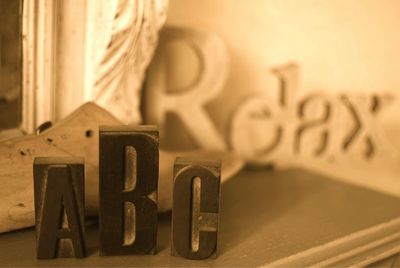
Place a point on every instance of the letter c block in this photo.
(195, 208)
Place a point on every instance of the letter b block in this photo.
(128, 166)
(59, 207)
(195, 208)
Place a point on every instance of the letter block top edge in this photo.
(150, 130)
(182, 162)
(62, 160)
(127, 128)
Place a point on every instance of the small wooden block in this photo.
(195, 208)
(128, 166)
(59, 207)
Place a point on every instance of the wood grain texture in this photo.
(76, 135)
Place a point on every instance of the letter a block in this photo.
(128, 189)
(59, 207)
(195, 208)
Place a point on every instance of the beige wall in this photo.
(339, 44)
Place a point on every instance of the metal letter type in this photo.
(59, 207)
(195, 208)
(128, 166)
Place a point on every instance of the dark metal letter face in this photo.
(195, 208)
(59, 207)
(128, 190)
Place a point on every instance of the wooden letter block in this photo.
(128, 166)
(195, 208)
(59, 207)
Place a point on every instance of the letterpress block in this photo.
(59, 207)
(195, 208)
(128, 165)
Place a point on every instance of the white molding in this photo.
(358, 249)
(38, 61)
(50, 87)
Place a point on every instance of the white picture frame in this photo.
(38, 63)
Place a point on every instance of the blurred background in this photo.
(340, 46)
(275, 87)
(191, 68)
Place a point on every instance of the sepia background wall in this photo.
(339, 45)
(76, 51)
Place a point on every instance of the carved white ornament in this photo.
(99, 54)
(122, 38)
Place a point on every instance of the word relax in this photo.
(261, 129)
(128, 174)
